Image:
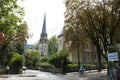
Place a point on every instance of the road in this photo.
(39, 75)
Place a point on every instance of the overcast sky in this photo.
(35, 10)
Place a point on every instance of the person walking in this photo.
(82, 69)
(8, 69)
(118, 72)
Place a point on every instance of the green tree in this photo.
(12, 25)
(72, 30)
(60, 59)
(99, 20)
(32, 59)
(52, 45)
(16, 63)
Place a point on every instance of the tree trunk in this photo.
(99, 58)
(99, 61)
(78, 57)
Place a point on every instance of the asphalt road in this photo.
(39, 75)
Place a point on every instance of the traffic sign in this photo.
(113, 56)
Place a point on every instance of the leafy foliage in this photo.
(59, 59)
(16, 63)
(98, 20)
(13, 27)
(44, 59)
(46, 65)
(32, 59)
(52, 45)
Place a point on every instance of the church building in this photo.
(43, 42)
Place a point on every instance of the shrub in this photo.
(72, 67)
(32, 59)
(46, 65)
(44, 59)
(59, 60)
(55, 60)
(16, 63)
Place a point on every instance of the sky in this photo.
(34, 15)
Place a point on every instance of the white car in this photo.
(24, 68)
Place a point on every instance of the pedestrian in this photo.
(7, 69)
(111, 74)
(81, 70)
(118, 72)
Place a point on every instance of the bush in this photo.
(46, 65)
(72, 67)
(16, 63)
(60, 60)
(44, 59)
(55, 60)
(32, 59)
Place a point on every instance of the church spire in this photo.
(44, 26)
(43, 43)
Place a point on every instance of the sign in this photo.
(113, 56)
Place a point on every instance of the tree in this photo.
(72, 30)
(16, 63)
(52, 45)
(98, 20)
(32, 59)
(59, 60)
(11, 24)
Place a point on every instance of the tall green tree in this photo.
(11, 23)
(73, 32)
(53, 45)
(99, 20)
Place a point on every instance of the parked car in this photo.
(24, 68)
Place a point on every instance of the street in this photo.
(39, 75)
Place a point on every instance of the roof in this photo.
(44, 25)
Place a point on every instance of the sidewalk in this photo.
(88, 75)
(95, 75)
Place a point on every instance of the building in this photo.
(88, 53)
(61, 41)
(43, 42)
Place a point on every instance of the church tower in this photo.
(43, 43)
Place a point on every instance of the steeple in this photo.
(43, 43)
(44, 26)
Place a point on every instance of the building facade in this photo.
(88, 52)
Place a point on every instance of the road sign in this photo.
(113, 56)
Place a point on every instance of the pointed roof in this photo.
(44, 25)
